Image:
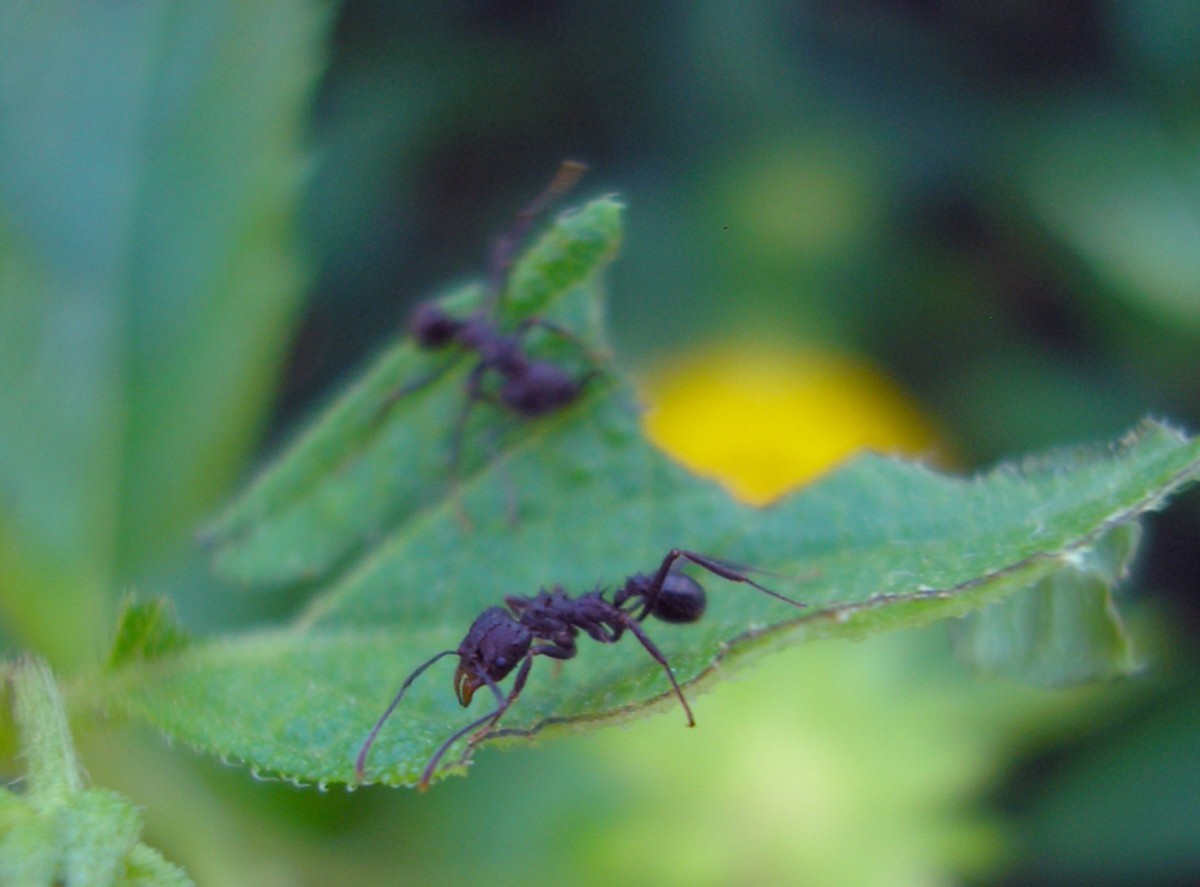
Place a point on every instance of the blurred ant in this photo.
(500, 640)
(528, 387)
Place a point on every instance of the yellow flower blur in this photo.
(763, 420)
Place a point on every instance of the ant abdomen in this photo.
(541, 388)
(680, 600)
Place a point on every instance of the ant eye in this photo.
(500, 662)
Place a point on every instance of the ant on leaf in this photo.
(527, 387)
(547, 624)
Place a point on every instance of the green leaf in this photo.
(145, 630)
(150, 171)
(369, 464)
(1118, 189)
(60, 832)
(1065, 629)
(884, 545)
(1122, 812)
(146, 867)
(579, 499)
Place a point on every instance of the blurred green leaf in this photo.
(883, 544)
(145, 630)
(1123, 811)
(60, 832)
(149, 171)
(1117, 189)
(1065, 629)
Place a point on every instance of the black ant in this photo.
(527, 387)
(500, 639)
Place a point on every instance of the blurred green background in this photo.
(995, 205)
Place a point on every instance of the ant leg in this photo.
(550, 326)
(554, 651)
(505, 701)
(445, 746)
(511, 505)
(360, 762)
(473, 395)
(487, 722)
(656, 583)
(653, 650)
(725, 571)
(405, 390)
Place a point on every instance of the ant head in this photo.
(432, 327)
(495, 644)
(680, 600)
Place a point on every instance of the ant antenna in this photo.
(360, 763)
(504, 246)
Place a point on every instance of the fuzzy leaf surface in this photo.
(878, 545)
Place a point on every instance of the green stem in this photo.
(54, 771)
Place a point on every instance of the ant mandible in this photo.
(500, 640)
(528, 387)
